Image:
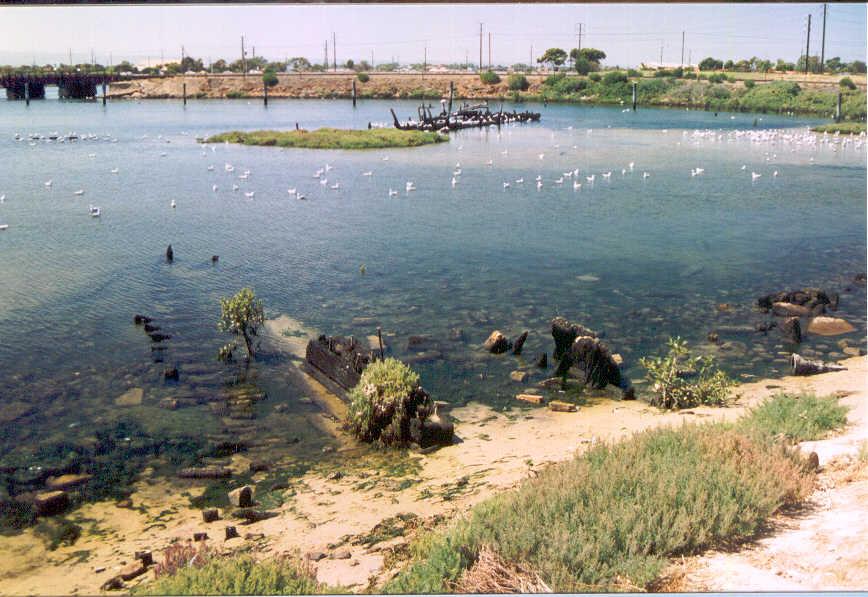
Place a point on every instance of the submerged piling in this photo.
(634, 96)
(27, 92)
(265, 94)
(354, 93)
(838, 108)
(103, 92)
(184, 92)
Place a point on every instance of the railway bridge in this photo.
(27, 86)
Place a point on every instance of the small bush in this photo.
(595, 77)
(363, 77)
(518, 83)
(633, 73)
(682, 381)
(613, 77)
(238, 576)
(236, 95)
(749, 84)
(798, 418)
(717, 78)
(552, 80)
(847, 83)
(269, 78)
(489, 77)
(58, 532)
(569, 85)
(384, 401)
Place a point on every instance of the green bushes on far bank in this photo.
(611, 518)
(489, 77)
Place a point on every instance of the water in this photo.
(638, 259)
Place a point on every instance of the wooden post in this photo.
(354, 93)
(380, 338)
(265, 93)
(184, 92)
(27, 92)
(451, 95)
(634, 96)
(103, 91)
(838, 109)
(395, 118)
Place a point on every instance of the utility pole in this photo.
(530, 64)
(808, 47)
(682, 49)
(425, 60)
(489, 50)
(480, 46)
(372, 60)
(70, 56)
(182, 58)
(326, 60)
(661, 53)
(823, 46)
(243, 58)
(335, 50)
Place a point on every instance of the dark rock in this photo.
(339, 358)
(807, 297)
(542, 361)
(518, 343)
(343, 554)
(496, 343)
(789, 309)
(215, 258)
(50, 502)
(860, 278)
(151, 328)
(124, 503)
(171, 373)
(564, 333)
(314, 556)
(231, 532)
(158, 337)
(437, 430)
(417, 341)
(210, 515)
(593, 357)
(628, 393)
(141, 319)
(457, 335)
(258, 466)
(791, 330)
(241, 497)
(764, 326)
(170, 254)
(813, 462)
(713, 337)
(133, 570)
(115, 583)
(200, 536)
(145, 557)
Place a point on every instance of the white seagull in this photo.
(79, 192)
(173, 204)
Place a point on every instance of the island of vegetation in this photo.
(330, 138)
(844, 128)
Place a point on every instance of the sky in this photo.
(629, 33)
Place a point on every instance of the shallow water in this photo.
(638, 259)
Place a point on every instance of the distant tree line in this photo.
(832, 65)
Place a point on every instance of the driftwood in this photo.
(803, 366)
(564, 332)
(466, 117)
(339, 358)
(593, 357)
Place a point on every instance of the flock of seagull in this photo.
(778, 139)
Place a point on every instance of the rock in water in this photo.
(593, 357)
(241, 497)
(542, 361)
(210, 515)
(564, 332)
(829, 326)
(791, 330)
(131, 397)
(807, 297)
(790, 310)
(170, 254)
(50, 502)
(518, 344)
(496, 343)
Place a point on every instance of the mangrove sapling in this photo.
(242, 315)
(683, 381)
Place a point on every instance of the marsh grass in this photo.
(331, 138)
(239, 576)
(611, 517)
(844, 128)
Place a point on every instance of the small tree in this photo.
(363, 77)
(554, 56)
(683, 381)
(269, 78)
(847, 83)
(242, 315)
(489, 77)
(518, 83)
(350, 64)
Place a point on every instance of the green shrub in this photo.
(236, 94)
(58, 532)
(518, 83)
(749, 84)
(613, 77)
(718, 92)
(595, 77)
(613, 516)
(238, 576)
(384, 401)
(489, 77)
(269, 78)
(847, 83)
(717, 78)
(682, 381)
(363, 77)
(569, 85)
(797, 417)
(633, 73)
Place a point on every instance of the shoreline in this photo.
(334, 506)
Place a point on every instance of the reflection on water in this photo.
(636, 258)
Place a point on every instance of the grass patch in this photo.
(844, 128)
(797, 417)
(239, 576)
(330, 138)
(613, 516)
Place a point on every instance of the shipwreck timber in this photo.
(468, 116)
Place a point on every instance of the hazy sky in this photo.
(628, 33)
